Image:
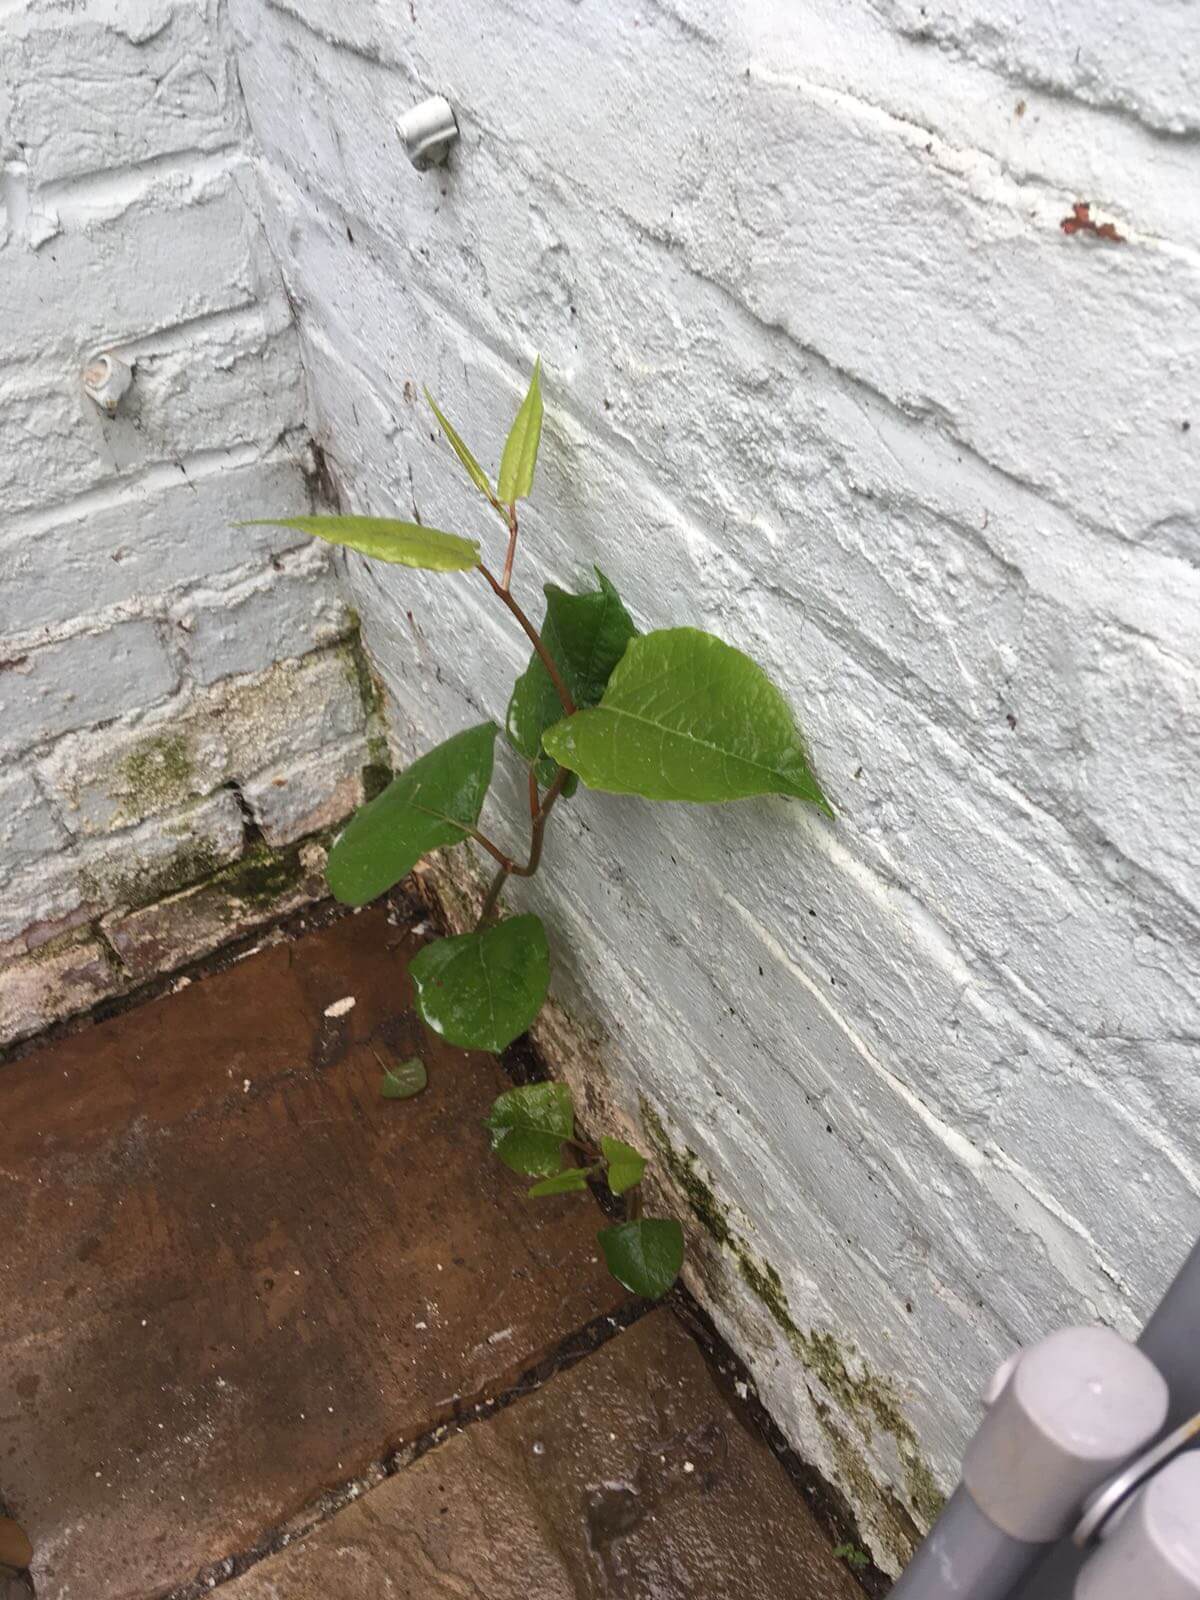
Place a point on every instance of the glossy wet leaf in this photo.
(474, 471)
(528, 1126)
(483, 989)
(586, 634)
(433, 803)
(644, 1256)
(687, 717)
(404, 1080)
(625, 1165)
(407, 544)
(569, 1181)
(521, 447)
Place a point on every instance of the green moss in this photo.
(871, 1402)
(262, 876)
(155, 776)
(193, 860)
(702, 1202)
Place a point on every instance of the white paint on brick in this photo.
(824, 375)
(125, 228)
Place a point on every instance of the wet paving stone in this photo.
(234, 1276)
(626, 1476)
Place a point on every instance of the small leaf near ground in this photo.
(404, 1080)
(625, 1165)
(851, 1555)
(482, 989)
(644, 1256)
(406, 544)
(567, 1182)
(434, 802)
(687, 717)
(521, 447)
(529, 1126)
(474, 471)
(586, 635)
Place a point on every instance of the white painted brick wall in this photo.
(825, 375)
(153, 657)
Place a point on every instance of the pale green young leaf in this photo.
(404, 1080)
(644, 1256)
(529, 1125)
(433, 803)
(474, 471)
(568, 1182)
(586, 635)
(521, 447)
(625, 1165)
(406, 544)
(482, 989)
(687, 717)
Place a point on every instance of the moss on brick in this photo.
(156, 775)
(868, 1400)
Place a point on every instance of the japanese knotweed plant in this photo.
(673, 714)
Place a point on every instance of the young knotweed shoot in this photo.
(674, 714)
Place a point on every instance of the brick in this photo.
(148, 542)
(93, 91)
(289, 609)
(124, 869)
(309, 795)
(165, 230)
(27, 825)
(85, 679)
(228, 733)
(67, 976)
(221, 389)
(182, 927)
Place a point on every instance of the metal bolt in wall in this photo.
(428, 131)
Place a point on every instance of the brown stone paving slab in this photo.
(233, 1275)
(628, 1476)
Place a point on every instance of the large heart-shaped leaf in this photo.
(644, 1256)
(687, 717)
(482, 989)
(586, 634)
(407, 544)
(434, 802)
(474, 471)
(528, 1126)
(521, 446)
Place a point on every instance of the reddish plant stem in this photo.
(510, 554)
(515, 869)
(535, 639)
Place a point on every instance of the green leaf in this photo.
(586, 634)
(404, 1080)
(521, 446)
(686, 717)
(625, 1166)
(528, 1127)
(644, 1256)
(407, 544)
(480, 990)
(434, 802)
(568, 1182)
(474, 471)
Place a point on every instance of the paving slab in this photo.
(628, 1476)
(234, 1276)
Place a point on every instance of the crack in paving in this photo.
(576, 1347)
